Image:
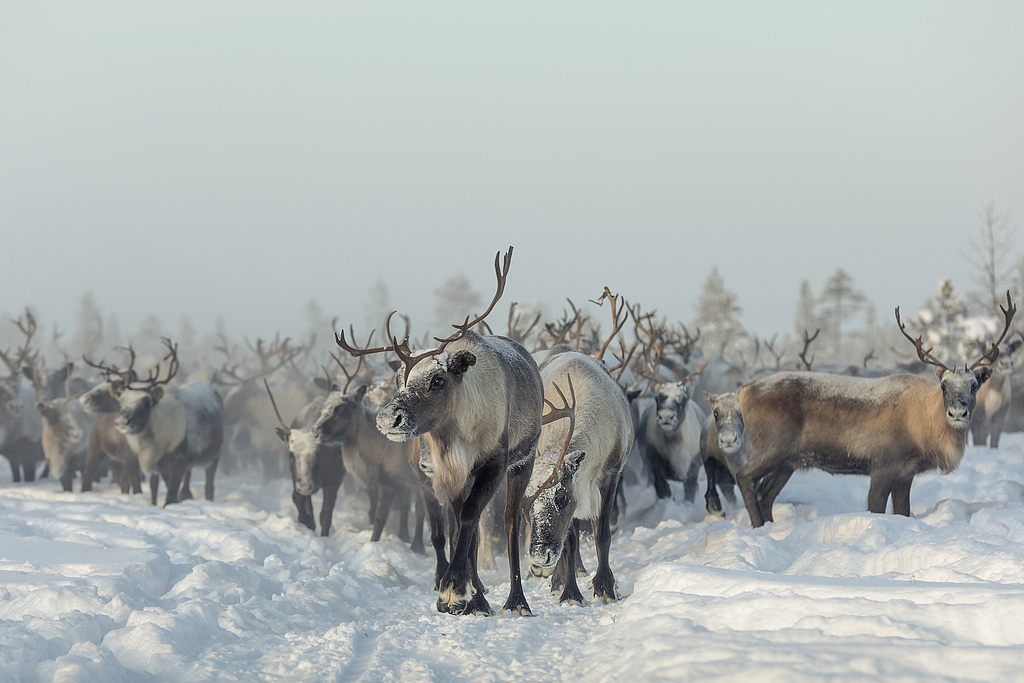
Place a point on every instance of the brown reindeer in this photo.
(889, 428)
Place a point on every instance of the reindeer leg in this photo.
(712, 503)
(380, 514)
(154, 486)
(134, 473)
(304, 508)
(690, 480)
(578, 564)
(211, 472)
(93, 456)
(518, 478)
(880, 488)
(435, 515)
(327, 508)
(604, 580)
(402, 498)
(457, 595)
(769, 488)
(571, 593)
(186, 484)
(901, 496)
(725, 481)
(747, 478)
(174, 471)
(659, 471)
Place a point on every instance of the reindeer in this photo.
(21, 426)
(889, 428)
(476, 404)
(170, 430)
(669, 436)
(723, 448)
(314, 465)
(335, 435)
(581, 480)
(994, 398)
(66, 429)
(105, 441)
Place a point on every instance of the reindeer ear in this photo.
(359, 393)
(281, 434)
(320, 383)
(572, 463)
(631, 394)
(395, 364)
(461, 361)
(157, 393)
(939, 371)
(983, 374)
(709, 398)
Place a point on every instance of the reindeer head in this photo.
(960, 385)
(425, 391)
(725, 409)
(424, 397)
(551, 512)
(672, 400)
(135, 399)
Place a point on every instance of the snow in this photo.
(101, 586)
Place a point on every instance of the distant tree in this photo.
(988, 255)
(838, 300)
(941, 321)
(718, 315)
(455, 300)
(378, 305)
(88, 337)
(806, 318)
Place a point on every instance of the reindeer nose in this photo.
(398, 421)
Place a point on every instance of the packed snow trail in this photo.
(104, 587)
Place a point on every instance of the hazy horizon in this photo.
(240, 159)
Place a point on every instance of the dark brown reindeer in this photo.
(889, 428)
(476, 403)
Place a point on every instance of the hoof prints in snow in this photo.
(103, 587)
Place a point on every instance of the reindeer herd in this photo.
(455, 427)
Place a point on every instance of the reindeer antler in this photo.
(402, 349)
(619, 304)
(992, 353)
(924, 354)
(809, 338)
(555, 414)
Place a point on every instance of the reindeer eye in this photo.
(437, 382)
(716, 414)
(561, 499)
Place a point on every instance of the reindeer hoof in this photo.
(517, 606)
(478, 607)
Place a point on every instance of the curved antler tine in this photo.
(992, 353)
(925, 355)
(287, 429)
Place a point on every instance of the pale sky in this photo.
(240, 158)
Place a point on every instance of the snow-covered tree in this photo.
(838, 300)
(378, 305)
(718, 315)
(456, 299)
(806, 318)
(989, 256)
(88, 336)
(942, 322)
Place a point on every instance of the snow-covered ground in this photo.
(103, 587)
